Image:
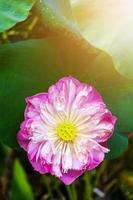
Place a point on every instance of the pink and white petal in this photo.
(33, 104)
(71, 176)
(49, 118)
(96, 157)
(67, 158)
(62, 94)
(22, 138)
(38, 162)
(70, 89)
(93, 96)
(96, 153)
(46, 152)
(81, 95)
(40, 166)
(57, 98)
(41, 132)
(105, 127)
(107, 121)
(100, 126)
(86, 95)
(76, 163)
(30, 112)
(35, 100)
(95, 145)
(92, 109)
(24, 134)
(56, 164)
(32, 149)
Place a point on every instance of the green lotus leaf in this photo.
(13, 11)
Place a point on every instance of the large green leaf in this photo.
(108, 26)
(13, 11)
(32, 66)
(21, 188)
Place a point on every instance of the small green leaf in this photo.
(117, 144)
(20, 189)
(13, 11)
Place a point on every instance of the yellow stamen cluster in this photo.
(67, 131)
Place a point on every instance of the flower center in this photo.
(67, 131)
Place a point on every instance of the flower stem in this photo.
(48, 187)
(71, 192)
(88, 191)
(99, 173)
(74, 192)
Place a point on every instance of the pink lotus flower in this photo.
(64, 130)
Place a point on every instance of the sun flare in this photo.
(108, 25)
